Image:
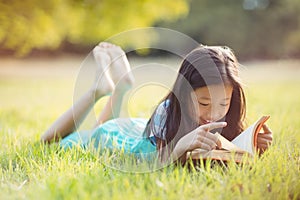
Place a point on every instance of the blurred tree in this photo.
(253, 28)
(35, 24)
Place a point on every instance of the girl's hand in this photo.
(202, 138)
(264, 139)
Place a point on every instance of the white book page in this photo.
(226, 144)
(245, 140)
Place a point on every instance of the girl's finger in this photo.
(264, 141)
(266, 129)
(212, 136)
(205, 146)
(267, 136)
(213, 125)
(263, 147)
(219, 144)
(209, 142)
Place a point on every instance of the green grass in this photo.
(29, 170)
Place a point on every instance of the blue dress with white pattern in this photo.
(125, 134)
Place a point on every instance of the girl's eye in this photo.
(224, 104)
(203, 104)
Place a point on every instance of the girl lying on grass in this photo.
(207, 97)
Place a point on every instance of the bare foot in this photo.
(119, 70)
(103, 83)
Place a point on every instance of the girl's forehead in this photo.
(219, 90)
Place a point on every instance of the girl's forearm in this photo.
(170, 157)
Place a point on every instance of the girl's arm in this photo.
(200, 137)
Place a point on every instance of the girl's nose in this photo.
(213, 116)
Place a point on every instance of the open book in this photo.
(243, 145)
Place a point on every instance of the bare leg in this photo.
(112, 108)
(119, 69)
(72, 118)
(122, 77)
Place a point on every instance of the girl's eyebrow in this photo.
(204, 98)
(207, 98)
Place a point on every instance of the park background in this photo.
(43, 44)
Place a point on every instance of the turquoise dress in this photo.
(124, 134)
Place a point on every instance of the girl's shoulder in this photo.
(164, 104)
(161, 109)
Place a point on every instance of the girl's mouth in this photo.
(203, 121)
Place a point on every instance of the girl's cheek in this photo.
(204, 112)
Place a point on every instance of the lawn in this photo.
(35, 91)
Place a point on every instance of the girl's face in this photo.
(212, 102)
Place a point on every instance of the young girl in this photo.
(207, 97)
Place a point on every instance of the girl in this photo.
(207, 96)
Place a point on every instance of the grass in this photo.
(30, 103)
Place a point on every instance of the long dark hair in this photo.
(206, 65)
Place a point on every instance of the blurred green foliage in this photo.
(35, 24)
(253, 28)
